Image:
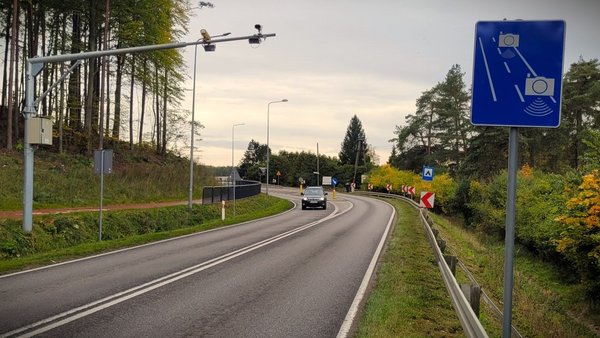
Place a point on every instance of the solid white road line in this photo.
(360, 294)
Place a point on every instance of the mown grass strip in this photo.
(53, 241)
(409, 298)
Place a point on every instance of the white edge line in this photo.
(143, 245)
(487, 69)
(360, 294)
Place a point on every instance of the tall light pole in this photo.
(232, 167)
(358, 148)
(191, 192)
(268, 150)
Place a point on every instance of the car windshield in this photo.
(313, 192)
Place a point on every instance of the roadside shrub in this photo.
(580, 239)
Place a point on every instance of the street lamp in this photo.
(232, 167)
(191, 192)
(268, 150)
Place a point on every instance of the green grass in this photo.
(61, 237)
(543, 305)
(69, 181)
(409, 298)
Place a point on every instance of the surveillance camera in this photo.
(259, 28)
(205, 35)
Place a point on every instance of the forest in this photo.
(96, 100)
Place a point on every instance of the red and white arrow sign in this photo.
(404, 188)
(411, 190)
(388, 187)
(427, 199)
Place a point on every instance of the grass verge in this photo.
(409, 298)
(58, 238)
(543, 305)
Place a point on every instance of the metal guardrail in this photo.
(217, 194)
(467, 317)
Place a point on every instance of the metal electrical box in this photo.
(39, 130)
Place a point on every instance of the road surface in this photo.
(293, 275)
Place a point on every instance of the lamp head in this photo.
(258, 28)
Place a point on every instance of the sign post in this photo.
(517, 82)
(102, 165)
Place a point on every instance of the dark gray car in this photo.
(314, 197)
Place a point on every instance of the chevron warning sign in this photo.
(427, 199)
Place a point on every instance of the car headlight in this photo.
(304, 199)
(322, 198)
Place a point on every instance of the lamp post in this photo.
(358, 148)
(268, 150)
(191, 192)
(232, 167)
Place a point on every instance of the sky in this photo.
(335, 59)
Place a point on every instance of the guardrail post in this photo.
(442, 244)
(451, 261)
(473, 294)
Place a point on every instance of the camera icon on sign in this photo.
(508, 40)
(539, 86)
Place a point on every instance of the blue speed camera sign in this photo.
(517, 73)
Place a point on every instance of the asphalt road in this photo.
(293, 275)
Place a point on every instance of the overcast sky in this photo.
(334, 59)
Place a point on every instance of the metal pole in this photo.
(232, 172)
(509, 241)
(269, 150)
(29, 112)
(101, 194)
(318, 170)
(356, 160)
(232, 167)
(191, 192)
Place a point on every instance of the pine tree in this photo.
(350, 145)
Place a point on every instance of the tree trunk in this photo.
(117, 119)
(157, 109)
(6, 60)
(61, 104)
(91, 116)
(74, 97)
(143, 109)
(13, 57)
(164, 128)
(131, 102)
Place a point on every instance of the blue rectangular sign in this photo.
(427, 173)
(517, 73)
